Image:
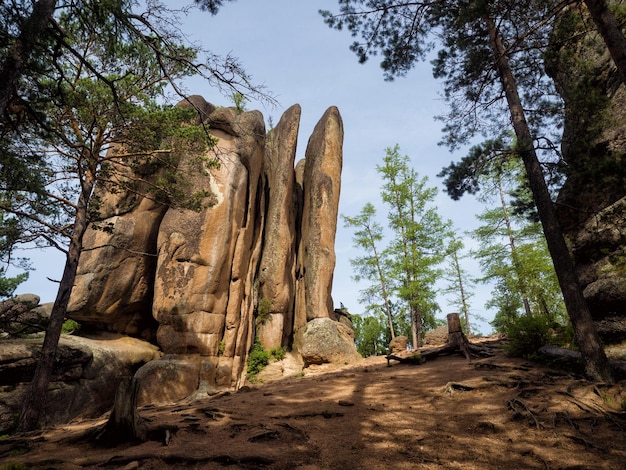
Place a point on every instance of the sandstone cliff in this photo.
(258, 262)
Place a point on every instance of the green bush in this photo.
(278, 353)
(258, 359)
(263, 310)
(526, 335)
(69, 327)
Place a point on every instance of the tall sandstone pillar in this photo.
(276, 276)
(203, 294)
(321, 188)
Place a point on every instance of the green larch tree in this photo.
(459, 283)
(372, 267)
(418, 242)
(371, 334)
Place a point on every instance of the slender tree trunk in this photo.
(383, 284)
(596, 363)
(514, 254)
(611, 32)
(414, 334)
(464, 307)
(34, 402)
(15, 62)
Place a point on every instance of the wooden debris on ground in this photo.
(457, 343)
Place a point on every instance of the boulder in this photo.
(324, 341)
(398, 344)
(85, 376)
(168, 379)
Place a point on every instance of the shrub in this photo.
(258, 359)
(278, 353)
(526, 335)
(69, 327)
(263, 310)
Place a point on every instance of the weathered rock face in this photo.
(114, 283)
(115, 280)
(278, 261)
(592, 203)
(85, 378)
(204, 280)
(322, 174)
(257, 263)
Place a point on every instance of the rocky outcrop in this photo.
(592, 203)
(204, 280)
(257, 262)
(19, 316)
(321, 187)
(86, 375)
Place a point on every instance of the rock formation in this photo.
(592, 202)
(85, 378)
(258, 262)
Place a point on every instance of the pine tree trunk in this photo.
(610, 30)
(596, 363)
(34, 402)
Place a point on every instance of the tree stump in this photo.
(457, 343)
(456, 338)
(124, 424)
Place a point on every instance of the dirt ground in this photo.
(448, 413)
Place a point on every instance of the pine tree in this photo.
(373, 266)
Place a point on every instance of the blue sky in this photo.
(285, 45)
